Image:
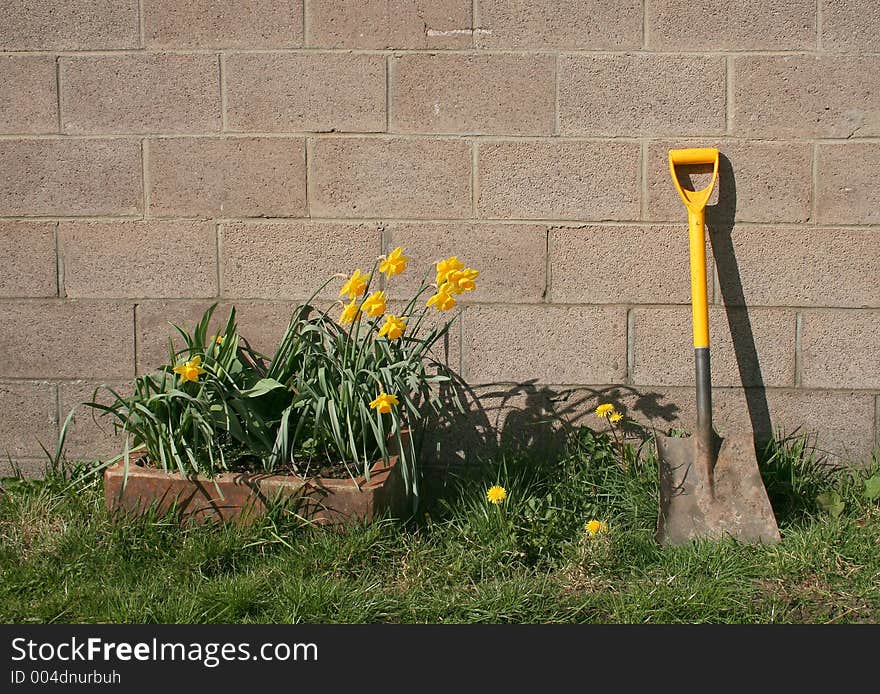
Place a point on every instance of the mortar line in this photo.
(717, 296)
(145, 178)
(307, 156)
(388, 93)
(877, 422)
(546, 294)
(475, 179)
(58, 93)
(218, 250)
(224, 125)
(59, 268)
(814, 183)
(475, 21)
(630, 346)
(819, 26)
(729, 95)
(142, 32)
(134, 340)
(306, 24)
(643, 188)
(644, 25)
(556, 95)
(798, 352)
(58, 414)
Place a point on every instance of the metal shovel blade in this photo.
(712, 492)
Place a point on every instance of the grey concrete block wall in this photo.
(158, 156)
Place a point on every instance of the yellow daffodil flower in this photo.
(394, 263)
(355, 285)
(443, 299)
(595, 527)
(605, 410)
(191, 370)
(496, 494)
(374, 304)
(217, 338)
(384, 402)
(444, 267)
(462, 280)
(392, 328)
(350, 312)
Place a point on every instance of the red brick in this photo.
(70, 177)
(66, 339)
(228, 177)
(27, 259)
(394, 177)
(296, 92)
(140, 93)
(28, 99)
(138, 259)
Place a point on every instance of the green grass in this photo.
(462, 560)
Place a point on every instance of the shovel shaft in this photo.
(700, 309)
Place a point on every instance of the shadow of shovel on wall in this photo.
(710, 487)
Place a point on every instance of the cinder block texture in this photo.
(757, 181)
(806, 96)
(27, 259)
(846, 186)
(546, 344)
(228, 177)
(559, 180)
(378, 24)
(278, 261)
(577, 24)
(592, 264)
(70, 177)
(294, 92)
(45, 339)
(69, 25)
(140, 93)
(138, 259)
(379, 177)
(748, 348)
(768, 25)
(480, 94)
(641, 95)
(29, 419)
(28, 99)
(510, 258)
(220, 24)
(840, 349)
(850, 26)
(798, 266)
(91, 433)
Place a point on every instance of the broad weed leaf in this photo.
(872, 487)
(831, 503)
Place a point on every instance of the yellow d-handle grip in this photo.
(699, 294)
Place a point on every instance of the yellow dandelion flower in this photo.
(384, 402)
(191, 370)
(615, 417)
(374, 304)
(443, 299)
(355, 285)
(604, 410)
(217, 338)
(444, 267)
(394, 263)
(496, 494)
(595, 527)
(392, 328)
(350, 312)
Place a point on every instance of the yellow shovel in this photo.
(709, 487)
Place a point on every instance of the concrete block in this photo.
(28, 98)
(27, 259)
(840, 348)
